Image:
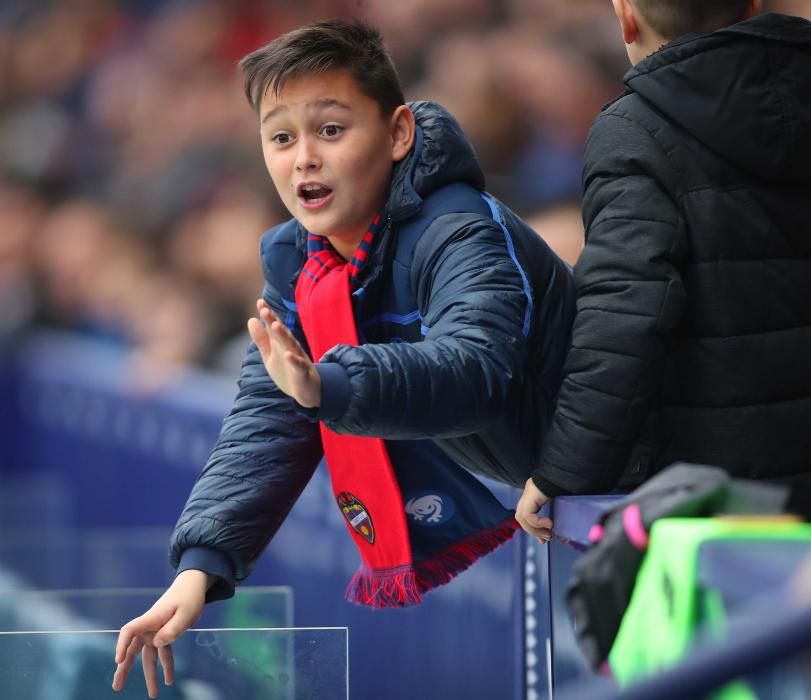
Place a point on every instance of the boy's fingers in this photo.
(120, 677)
(267, 315)
(168, 662)
(127, 662)
(260, 337)
(542, 534)
(149, 661)
(177, 625)
(124, 639)
(129, 632)
(278, 334)
(540, 522)
(283, 337)
(538, 526)
(268, 319)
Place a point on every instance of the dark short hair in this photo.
(674, 18)
(320, 47)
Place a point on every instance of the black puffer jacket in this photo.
(465, 318)
(693, 335)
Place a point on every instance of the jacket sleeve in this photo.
(263, 458)
(473, 302)
(630, 297)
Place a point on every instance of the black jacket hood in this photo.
(441, 155)
(744, 92)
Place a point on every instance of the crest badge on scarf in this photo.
(357, 516)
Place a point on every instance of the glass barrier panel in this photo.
(210, 664)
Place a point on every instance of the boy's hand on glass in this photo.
(152, 633)
(285, 360)
(526, 513)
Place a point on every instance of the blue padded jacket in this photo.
(464, 315)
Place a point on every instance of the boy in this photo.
(401, 302)
(693, 333)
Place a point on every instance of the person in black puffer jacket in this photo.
(692, 340)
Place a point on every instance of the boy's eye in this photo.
(330, 130)
(281, 138)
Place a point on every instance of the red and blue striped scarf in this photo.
(419, 519)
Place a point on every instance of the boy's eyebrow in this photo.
(315, 105)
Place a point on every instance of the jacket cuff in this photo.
(334, 391)
(213, 563)
(547, 488)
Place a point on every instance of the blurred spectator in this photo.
(216, 246)
(561, 227)
(22, 212)
(800, 8)
(72, 250)
(171, 330)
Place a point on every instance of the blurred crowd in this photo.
(132, 189)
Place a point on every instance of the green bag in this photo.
(603, 579)
(667, 607)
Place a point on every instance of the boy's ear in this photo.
(403, 128)
(626, 13)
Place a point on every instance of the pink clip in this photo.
(632, 522)
(596, 533)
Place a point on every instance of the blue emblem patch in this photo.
(430, 508)
(357, 516)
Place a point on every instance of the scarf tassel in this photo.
(384, 588)
(403, 586)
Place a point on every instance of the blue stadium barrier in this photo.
(86, 458)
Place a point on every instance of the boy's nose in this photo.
(307, 157)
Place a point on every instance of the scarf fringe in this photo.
(386, 588)
(403, 586)
(444, 566)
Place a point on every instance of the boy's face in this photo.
(329, 152)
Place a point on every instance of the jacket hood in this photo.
(441, 154)
(744, 92)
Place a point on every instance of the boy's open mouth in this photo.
(313, 192)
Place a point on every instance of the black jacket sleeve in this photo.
(265, 455)
(473, 301)
(630, 296)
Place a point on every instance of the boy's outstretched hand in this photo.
(285, 360)
(152, 633)
(526, 513)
